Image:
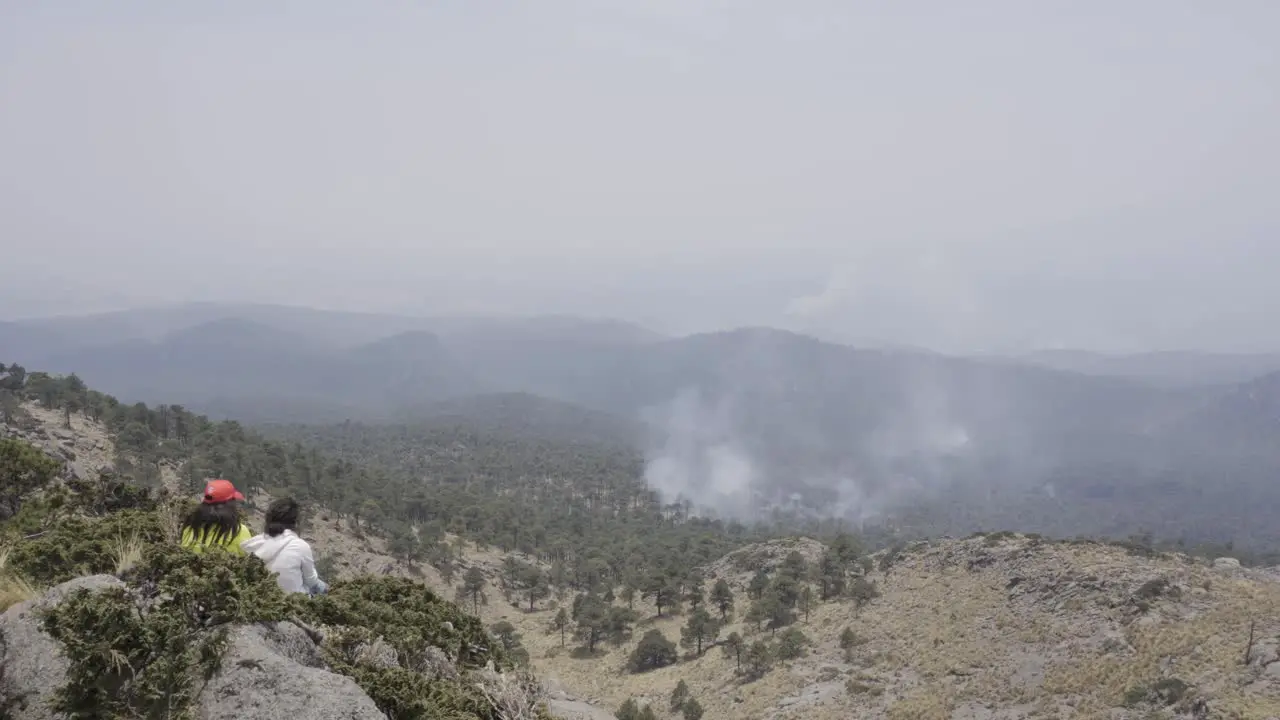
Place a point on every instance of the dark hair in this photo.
(282, 515)
(218, 521)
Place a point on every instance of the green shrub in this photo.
(849, 639)
(139, 651)
(79, 546)
(409, 617)
(792, 644)
(406, 695)
(654, 651)
(679, 696)
(23, 469)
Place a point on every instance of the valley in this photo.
(741, 425)
(997, 625)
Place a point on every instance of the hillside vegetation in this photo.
(999, 625)
(584, 509)
(979, 443)
(148, 646)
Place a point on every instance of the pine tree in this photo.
(848, 638)
(506, 635)
(592, 617)
(654, 651)
(759, 583)
(758, 659)
(863, 591)
(733, 645)
(618, 624)
(786, 588)
(792, 644)
(700, 629)
(561, 623)
(533, 582)
(722, 598)
(679, 696)
(473, 587)
(629, 710)
(695, 597)
(831, 575)
(794, 566)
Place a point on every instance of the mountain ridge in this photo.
(748, 420)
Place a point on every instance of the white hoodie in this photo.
(289, 557)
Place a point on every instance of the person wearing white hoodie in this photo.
(284, 552)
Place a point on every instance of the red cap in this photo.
(220, 491)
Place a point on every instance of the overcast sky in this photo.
(976, 175)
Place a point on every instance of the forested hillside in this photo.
(583, 508)
(899, 445)
(604, 590)
(777, 418)
(104, 615)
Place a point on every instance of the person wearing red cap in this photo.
(215, 522)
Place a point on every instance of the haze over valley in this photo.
(967, 281)
(644, 360)
(740, 423)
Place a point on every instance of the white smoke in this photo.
(699, 458)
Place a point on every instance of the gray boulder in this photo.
(31, 663)
(270, 670)
(273, 672)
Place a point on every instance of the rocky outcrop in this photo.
(31, 663)
(270, 671)
(274, 671)
(84, 448)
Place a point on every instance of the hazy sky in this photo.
(960, 175)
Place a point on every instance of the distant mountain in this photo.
(33, 341)
(404, 370)
(244, 369)
(331, 327)
(1243, 422)
(749, 419)
(1170, 369)
(271, 363)
(217, 358)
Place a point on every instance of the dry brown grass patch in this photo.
(13, 588)
(127, 552)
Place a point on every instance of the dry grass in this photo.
(930, 703)
(514, 695)
(945, 636)
(127, 552)
(13, 589)
(1206, 651)
(171, 516)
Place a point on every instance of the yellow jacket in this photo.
(206, 540)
